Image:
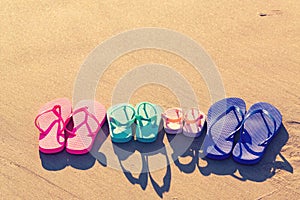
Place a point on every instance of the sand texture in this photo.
(43, 44)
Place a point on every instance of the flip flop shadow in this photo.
(265, 169)
(58, 161)
(145, 150)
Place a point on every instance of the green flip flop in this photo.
(120, 119)
(148, 117)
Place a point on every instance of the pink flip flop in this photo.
(88, 117)
(194, 121)
(173, 121)
(51, 122)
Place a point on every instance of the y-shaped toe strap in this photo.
(196, 120)
(140, 118)
(177, 120)
(231, 135)
(84, 122)
(231, 108)
(117, 124)
(245, 137)
(56, 110)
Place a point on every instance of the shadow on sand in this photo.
(182, 147)
(58, 161)
(124, 151)
(259, 172)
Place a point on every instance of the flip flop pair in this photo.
(62, 126)
(257, 127)
(122, 118)
(190, 122)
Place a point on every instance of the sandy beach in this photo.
(255, 46)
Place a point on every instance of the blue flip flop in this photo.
(120, 119)
(224, 119)
(148, 117)
(260, 125)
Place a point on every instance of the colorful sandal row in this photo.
(75, 129)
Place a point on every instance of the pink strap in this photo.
(84, 122)
(178, 119)
(198, 119)
(56, 110)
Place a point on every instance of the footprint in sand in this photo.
(270, 13)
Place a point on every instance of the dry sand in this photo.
(44, 43)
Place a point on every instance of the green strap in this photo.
(140, 118)
(115, 123)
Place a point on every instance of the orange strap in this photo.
(168, 120)
(194, 120)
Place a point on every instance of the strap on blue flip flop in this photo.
(245, 137)
(235, 108)
(231, 135)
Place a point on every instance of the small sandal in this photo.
(173, 120)
(194, 121)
